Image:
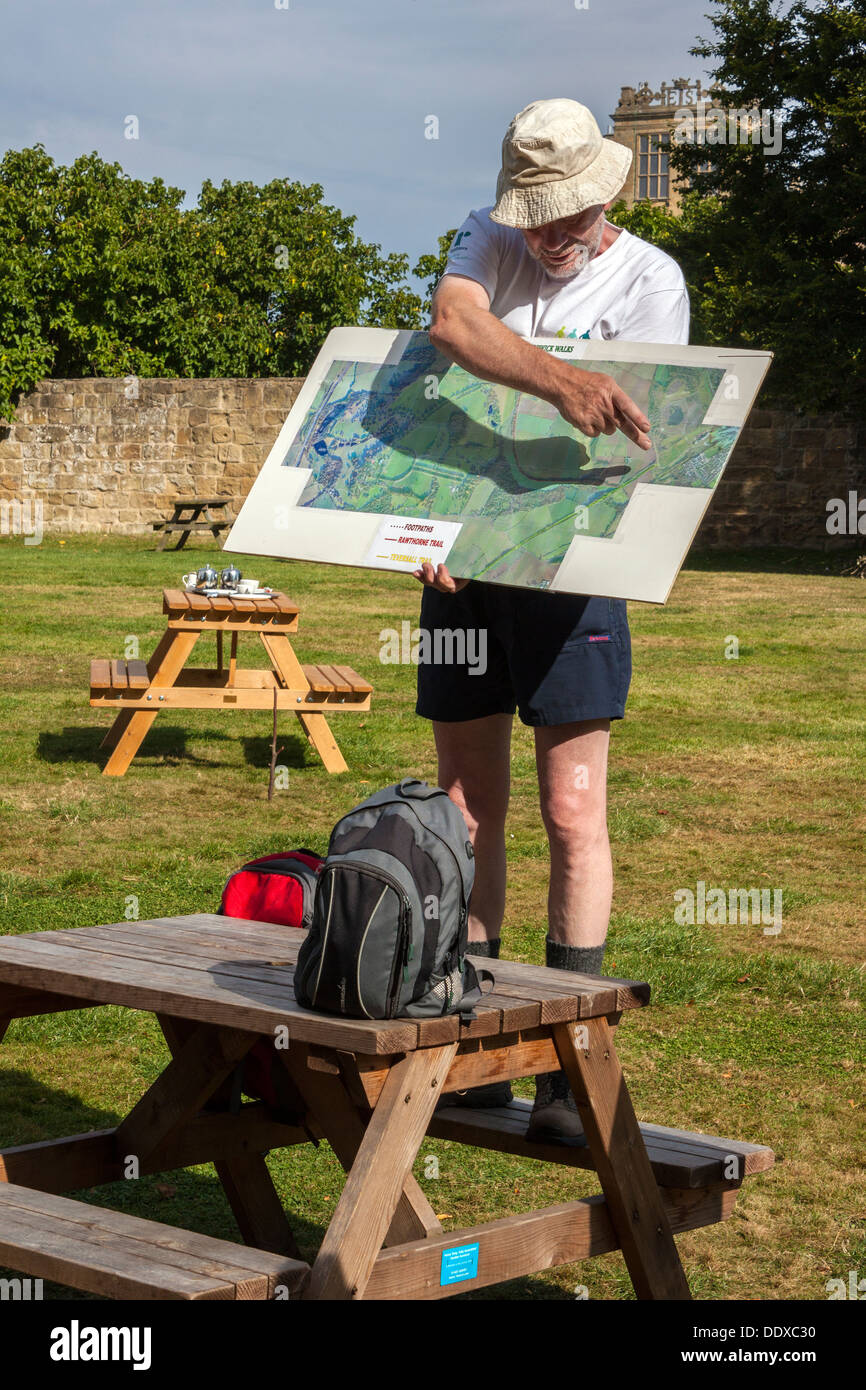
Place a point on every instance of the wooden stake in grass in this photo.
(275, 752)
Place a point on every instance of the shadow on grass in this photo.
(294, 751)
(190, 1200)
(80, 744)
(168, 743)
(23, 1120)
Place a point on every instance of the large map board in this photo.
(392, 455)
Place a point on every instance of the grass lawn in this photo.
(742, 773)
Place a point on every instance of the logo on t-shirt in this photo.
(455, 245)
(561, 333)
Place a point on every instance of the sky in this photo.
(335, 92)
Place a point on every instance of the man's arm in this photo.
(464, 329)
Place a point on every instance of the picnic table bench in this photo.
(187, 517)
(137, 691)
(370, 1087)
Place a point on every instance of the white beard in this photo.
(579, 261)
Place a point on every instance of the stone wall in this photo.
(784, 470)
(113, 455)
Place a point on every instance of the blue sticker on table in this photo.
(459, 1263)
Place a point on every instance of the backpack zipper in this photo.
(324, 944)
(401, 954)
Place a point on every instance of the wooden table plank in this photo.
(184, 1249)
(342, 686)
(136, 674)
(219, 963)
(621, 1160)
(327, 1098)
(285, 604)
(598, 994)
(198, 603)
(554, 1006)
(26, 1242)
(119, 679)
(205, 947)
(357, 683)
(319, 683)
(100, 674)
(515, 1246)
(88, 1160)
(176, 600)
(383, 1162)
(189, 994)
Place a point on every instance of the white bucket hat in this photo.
(556, 163)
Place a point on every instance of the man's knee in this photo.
(482, 803)
(576, 825)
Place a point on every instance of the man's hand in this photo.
(439, 579)
(594, 404)
(464, 329)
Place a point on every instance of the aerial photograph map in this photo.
(423, 438)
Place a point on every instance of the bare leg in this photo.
(572, 779)
(475, 770)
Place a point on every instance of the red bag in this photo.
(277, 888)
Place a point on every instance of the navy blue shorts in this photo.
(490, 649)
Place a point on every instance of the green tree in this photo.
(105, 275)
(687, 237)
(775, 243)
(432, 265)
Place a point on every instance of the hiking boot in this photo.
(480, 1097)
(555, 1118)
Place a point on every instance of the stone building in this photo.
(644, 121)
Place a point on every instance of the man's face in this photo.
(565, 247)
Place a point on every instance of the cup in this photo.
(189, 580)
(248, 586)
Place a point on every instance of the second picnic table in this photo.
(139, 690)
(370, 1088)
(193, 514)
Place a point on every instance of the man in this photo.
(544, 262)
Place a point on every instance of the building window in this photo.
(652, 167)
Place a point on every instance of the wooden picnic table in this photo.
(217, 985)
(193, 514)
(139, 690)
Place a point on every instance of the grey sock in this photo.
(484, 948)
(585, 960)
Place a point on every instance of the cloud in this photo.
(329, 91)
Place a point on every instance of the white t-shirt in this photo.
(631, 291)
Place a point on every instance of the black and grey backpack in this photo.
(388, 937)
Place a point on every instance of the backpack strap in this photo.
(472, 991)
